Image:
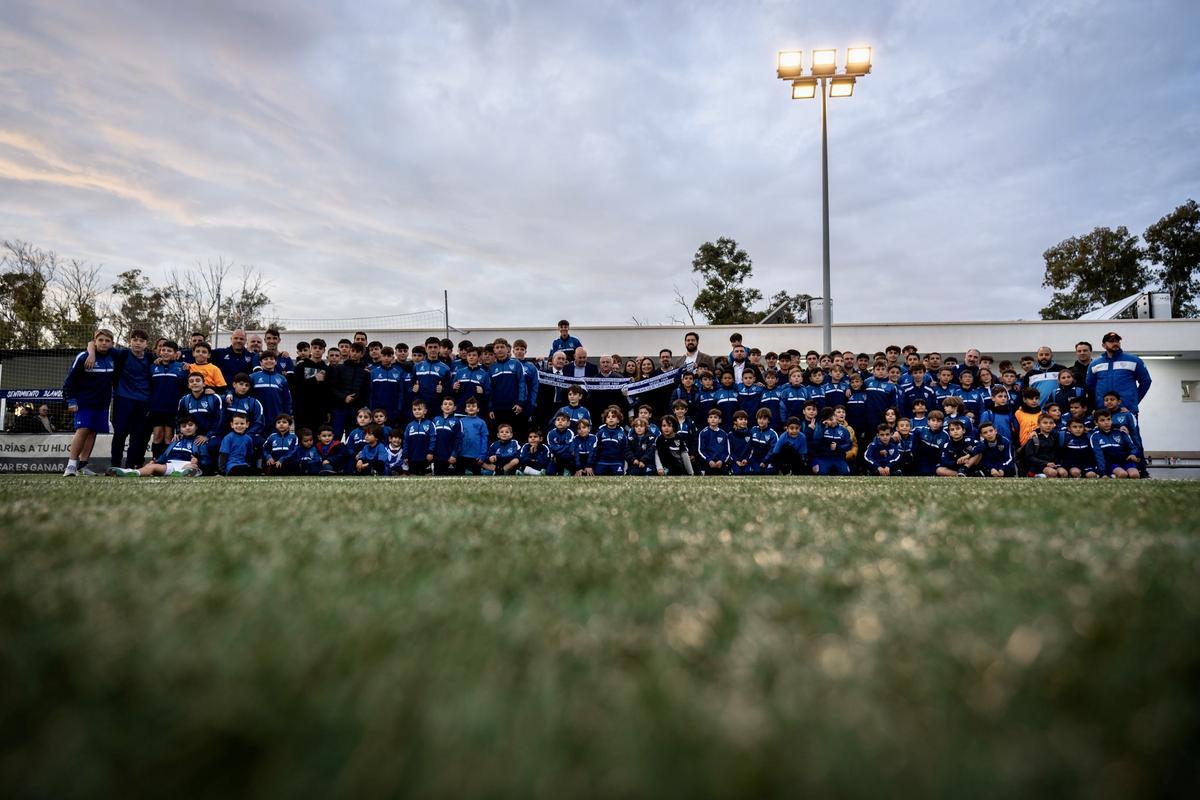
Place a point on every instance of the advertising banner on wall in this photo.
(32, 453)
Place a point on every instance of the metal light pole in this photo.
(827, 322)
(825, 78)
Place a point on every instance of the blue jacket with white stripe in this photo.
(1123, 373)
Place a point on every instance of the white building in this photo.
(1170, 414)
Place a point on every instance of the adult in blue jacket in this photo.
(1120, 372)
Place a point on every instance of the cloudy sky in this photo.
(546, 159)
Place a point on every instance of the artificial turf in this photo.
(617, 637)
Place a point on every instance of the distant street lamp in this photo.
(823, 72)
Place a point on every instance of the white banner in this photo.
(30, 453)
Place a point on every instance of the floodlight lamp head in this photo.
(824, 62)
(804, 89)
(791, 64)
(841, 86)
(858, 60)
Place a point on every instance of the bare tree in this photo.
(204, 299)
(685, 304)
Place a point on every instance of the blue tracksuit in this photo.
(355, 441)
(610, 450)
(1063, 395)
(972, 401)
(90, 389)
(904, 447)
(726, 401)
(376, 455)
(253, 411)
(569, 345)
(788, 456)
(927, 451)
(182, 448)
(940, 393)
(968, 426)
(535, 458)
(762, 447)
(1123, 373)
(856, 410)
(772, 400)
(794, 398)
(395, 460)
(133, 375)
(713, 446)
(418, 444)
(474, 446)
(692, 398)
(309, 460)
(881, 395)
(739, 450)
(750, 399)
(562, 449)
(231, 363)
(640, 448)
(168, 383)
(470, 381)
(391, 390)
(575, 413)
(830, 455)
(953, 450)
(238, 450)
(1077, 452)
(1112, 450)
(284, 448)
(273, 393)
(427, 377)
(919, 424)
(508, 380)
(503, 452)
(1004, 422)
(208, 411)
(833, 393)
(533, 383)
(585, 451)
(881, 454)
(447, 439)
(912, 393)
(1000, 455)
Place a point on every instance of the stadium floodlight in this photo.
(841, 86)
(791, 64)
(804, 89)
(858, 60)
(824, 73)
(824, 62)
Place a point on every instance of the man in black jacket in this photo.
(350, 383)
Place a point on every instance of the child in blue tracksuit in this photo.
(534, 457)
(706, 397)
(772, 401)
(639, 450)
(560, 442)
(471, 380)
(997, 454)
(713, 446)
(391, 387)
(961, 454)
(835, 442)
(504, 455)
(356, 439)
(331, 453)
(168, 383)
(281, 450)
(687, 391)
(1001, 415)
(856, 404)
(739, 444)
(725, 400)
(418, 442)
(1077, 454)
(270, 388)
(1115, 451)
(762, 443)
(208, 412)
(790, 454)
(927, 449)
(882, 455)
(307, 456)
(574, 410)
(611, 441)
(87, 393)
(904, 439)
(372, 457)
(749, 394)
(474, 447)
(585, 448)
(395, 452)
(447, 440)
(237, 454)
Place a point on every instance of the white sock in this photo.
(73, 462)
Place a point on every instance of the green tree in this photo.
(724, 299)
(795, 308)
(1093, 270)
(26, 276)
(1173, 244)
(140, 304)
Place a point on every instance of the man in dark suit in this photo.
(692, 354)
(581, 367)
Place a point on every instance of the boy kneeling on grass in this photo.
(182, 456)
(237, 448)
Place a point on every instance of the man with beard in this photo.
(1044, 374)
(692, 357)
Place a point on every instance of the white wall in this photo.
(1168, 423)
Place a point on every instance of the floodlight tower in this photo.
(823, 72)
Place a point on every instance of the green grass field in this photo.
(664, 638)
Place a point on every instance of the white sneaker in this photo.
(117, 472)
(71, 471)
(88, 472)
(191, 471)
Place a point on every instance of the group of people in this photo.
(361, 407)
